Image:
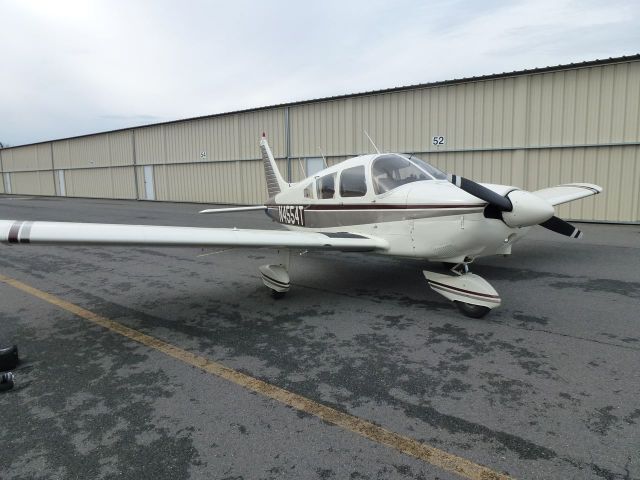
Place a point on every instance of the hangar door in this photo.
(149, 190)
(62, 190)
(7, 183)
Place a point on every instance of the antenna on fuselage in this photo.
(304, 173)
(323, 158)
(374, 145)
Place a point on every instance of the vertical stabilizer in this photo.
(275, 182)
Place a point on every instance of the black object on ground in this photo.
(9, 358)
(6, 381)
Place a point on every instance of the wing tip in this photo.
(588, 186)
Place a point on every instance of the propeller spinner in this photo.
(518, 208)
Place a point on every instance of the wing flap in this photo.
(67, 233)
(567, 192)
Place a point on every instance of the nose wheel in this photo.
(471, 310)
(472, 294)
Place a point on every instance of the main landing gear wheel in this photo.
(277, 295)
(471, 310)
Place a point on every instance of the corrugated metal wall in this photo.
(32, 183)
(117, 182)
(579, 123)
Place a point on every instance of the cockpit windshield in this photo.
(391, 171)
(430, 169)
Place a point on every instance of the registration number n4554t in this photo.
(291, 214)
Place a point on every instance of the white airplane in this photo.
(390, 204)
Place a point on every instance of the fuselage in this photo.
(406, 202)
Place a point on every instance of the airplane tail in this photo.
(275, 182)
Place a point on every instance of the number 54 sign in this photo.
(438, 140)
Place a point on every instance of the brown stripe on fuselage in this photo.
(375, 206)
(344, 216)
(391, 206)
(13, 232)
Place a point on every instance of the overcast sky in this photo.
(73, 67)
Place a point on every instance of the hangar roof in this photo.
(493, 76)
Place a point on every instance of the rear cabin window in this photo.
(352, 182)
(327, 186)
(308, 191)
(391, 171)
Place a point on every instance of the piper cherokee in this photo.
(385, 203)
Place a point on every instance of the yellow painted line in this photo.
(427, 453)
(214, 253)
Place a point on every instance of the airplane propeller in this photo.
(483, 193)
(558, 225)
(518, 208)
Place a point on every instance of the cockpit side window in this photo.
(391, 171)
(352, 182)
(326, 186)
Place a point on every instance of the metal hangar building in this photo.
(530, 128)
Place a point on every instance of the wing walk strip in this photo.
(434, 456)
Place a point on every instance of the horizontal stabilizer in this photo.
(234, 209)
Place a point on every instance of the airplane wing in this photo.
(67, 233)
(568, 192)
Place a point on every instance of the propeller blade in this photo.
(558, 225)
(483, 193)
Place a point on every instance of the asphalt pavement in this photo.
(546, 386)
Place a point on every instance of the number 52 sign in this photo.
(438, 140)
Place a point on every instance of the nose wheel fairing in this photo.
(473, 295)
(276, 276)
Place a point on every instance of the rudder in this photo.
(275, 182)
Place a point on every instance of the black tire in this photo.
(277, 295)
(471, 310)
(9, 358)
(6, 381)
